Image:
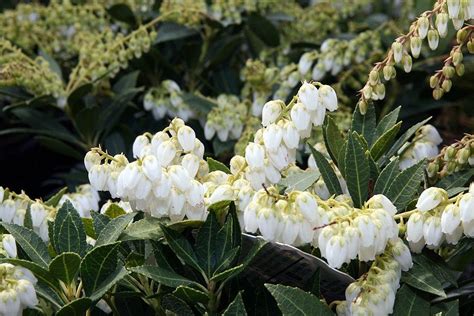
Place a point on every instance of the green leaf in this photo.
(198, 103)
(49, 294)
(163, 276)
(146, 228)
(54, 200)
(206, 244)
(69, 233)
(228, 274)
(42, 274)
(229, 236)
(181, 247)
(114, 211)
(401, 141)
(225, 262)
(357, 171)
(422, 279)
(89, 227)
(97, 266)
(333, 139)
(386, 177)
(387, 122)
(438, 266)
(191, 295)
(365, 124)
(112, 279)
(264, 29)
(300, 180)
(457, 179)
(112, 231)
(374, 169)
(65, 266)
(236, 308)
(75, 308)
(294, 301)
(409, 303)
(122, 12)
(175, 306)
(217, 165)
(126, 82)
(31, 243)
(99, 221)
(383, 142)
(405, 185)
(171, 31)
(446, 308)
(327, 172)
(341, 160)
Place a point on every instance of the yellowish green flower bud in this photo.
(438, 93)
(446, 85)
(460, 69)
(448, 71)
(389, 72)
(434, 81)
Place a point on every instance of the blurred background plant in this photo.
(78, 74)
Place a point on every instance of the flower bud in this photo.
(374, 77)
(453, 8)
(433, 39)
(448, 71)
(460, 69)
(328, 97)
(432, 169)
(470, 47)
(407, 63)
(423, 26)
(367, 91)
(90, 159)
(397, 49)
(139, 145)
(442, 24)
(415, 46)
(362, 104)
(438, 93)
(463, 155)
(271, 111)
(446, 85)
(434, 81)
(457, 58)
(186, 137)
(389, 72)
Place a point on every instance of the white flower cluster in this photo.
(374, 293)
(14, 207)
(438, 219)
(162, 181)
(362, 233)
(8, 246)
(17, 290)
(274, 146)
(84, 200)
(319, 187)
(287, 219)
(167, 100)
(424, 145)
(227, 119)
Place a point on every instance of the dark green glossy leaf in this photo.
(122, 12)
(163, 276)
(146, 228)
(206, 244)
(294, 301)
(99, 221)
(69, 233)
(387, 122)
(236, 308)
(365, 124)
(75, 308)
(217, 165)
(405, 185)
(264, 29)
(111, 279)
(65, 266)
(54, 200)
(333, 139)
(126, 82)
(446, 309)
(175, 306)
(300, 181)
(409, 303)
(423, 279)
(383, 142)
(357, 171)
(327, 172)
(191, 295)
(386, 177)
(112, 231)
(457, 179)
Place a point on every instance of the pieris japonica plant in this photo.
(325, 205)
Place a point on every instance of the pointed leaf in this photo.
(383, 142)
(333, 139)
(99, 221)
(75, 308)
(229, 236)
(357, 171)
(65, 266)
(31, 243)
(54, 200)
(405, 185)
(175, 306)
(97, 266)
(114, 211)
(181, 247)
(387, 122)
(422, 279)
(191, 295)
(112, 231)
(365, 124)
(225, 262)
(112, 279)
(89, 227)
(68, 231)
(236, 308)
(458, 179)
(163, 276)
(217, 165)
(294, 301)
(409, 303)
(386, 177)
(327, 172)
(228, 274)
(446, 309)
(206, 244)
(300, 181)
(146, 228)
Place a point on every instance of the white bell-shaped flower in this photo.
(300, 116)
(336, 251)
(139, 145)
(254, 155)
(432, 231)
(381, 201)
(179, 177)
(450, 219)
(272, 137)
(431, 198)
(9, 245)
(328, 97)
(309, 96)
(466, 207)
(151, 167)
(166, 152)
(415, 227)
(271, 112)
(90, 159)
(186, 138)
(291, 136)
(307, 205)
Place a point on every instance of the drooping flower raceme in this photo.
(163, 180)
(438, 219)
(84, 200)
(17, 290)
(374, 293)
(424, 145)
